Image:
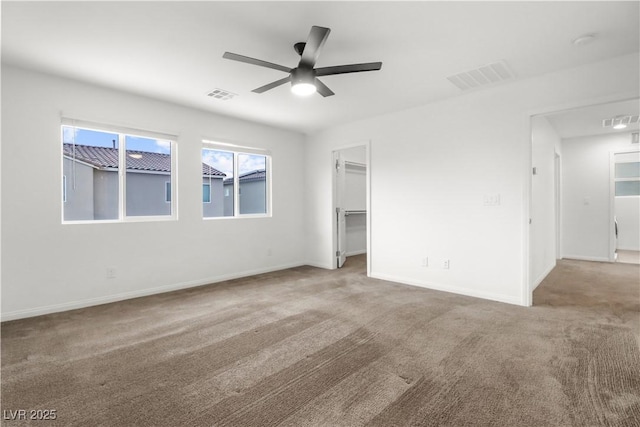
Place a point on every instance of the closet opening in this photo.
(351, 207)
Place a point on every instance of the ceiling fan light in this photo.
(303, 89)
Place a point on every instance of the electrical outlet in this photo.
(269, 252)
(425, 262)
(111, 272)
(445, 264)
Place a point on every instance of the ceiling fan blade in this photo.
(323, 89)
(259, 62)
(353, 68)
(315, 41)
(272, 85)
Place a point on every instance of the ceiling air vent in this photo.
(221, 94)
(482, 76)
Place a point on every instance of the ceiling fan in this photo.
(304, 78)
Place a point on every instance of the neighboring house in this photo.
(252, 191)
(91, 184)
(212, 197)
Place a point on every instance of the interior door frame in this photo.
(334, 246)
(557, 176)
(340, 179)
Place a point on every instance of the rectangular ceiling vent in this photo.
(221, 94)
(620, 120)
(483, 76)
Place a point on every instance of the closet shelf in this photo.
(355, 165)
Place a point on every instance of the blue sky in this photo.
(220, 160)
(105, 139)
(223, 161)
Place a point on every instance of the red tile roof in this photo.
(107, 158)
(257, 175)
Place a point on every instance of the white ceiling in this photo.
(173, 50)
(588, 120)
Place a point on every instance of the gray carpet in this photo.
(310, 347)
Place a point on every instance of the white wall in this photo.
(431, 168)
(586, 195)
(545, 143)
(48, 266)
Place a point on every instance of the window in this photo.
(238, 181)
(252, 189)
(95, 188)
(627, 179)
(217, 175)
(206, 193)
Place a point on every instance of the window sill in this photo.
(245, 216)
(123, 221)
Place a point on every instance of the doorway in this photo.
(572, 197)
(625, 205)
(351, 206)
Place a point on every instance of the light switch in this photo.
(491, 199)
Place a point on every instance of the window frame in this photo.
(236, 150)
(122, 133)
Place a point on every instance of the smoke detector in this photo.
(583, 39)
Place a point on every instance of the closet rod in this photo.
(355, 212)
(355, 164)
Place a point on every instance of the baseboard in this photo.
(320, 264)
(360, 252)
(454, 290)
(586, 258)
(542, 277)
(56, 308)
(629, 249)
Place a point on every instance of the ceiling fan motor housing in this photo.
(303, 75)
